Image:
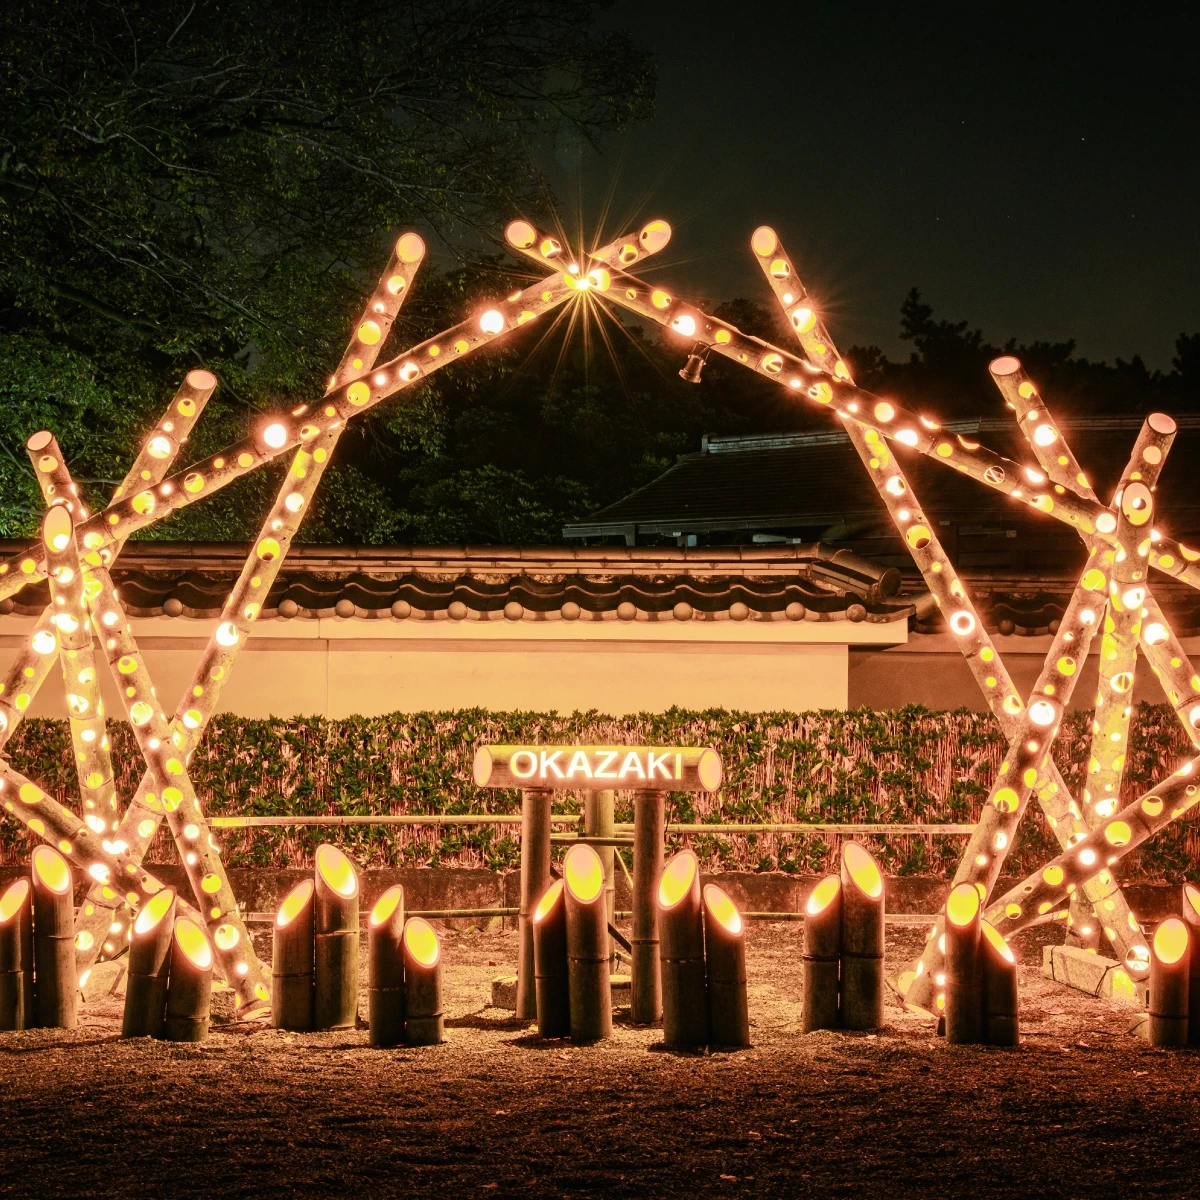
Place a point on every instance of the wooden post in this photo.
(862, 939)
(681, 927)
(16, 957)
(645, 1004)
(149, 967)
(822, 955)
(1000, 1024)
(189, 989)
(1191, 915)
(335, 962)
(550, 963)
(385, 969)
(424, 1023)
(535, 878)
(599, 820)
(725, 963)
(964, 967)
(292, 960)
(56, 988)
(1169, 968)
(588, 982)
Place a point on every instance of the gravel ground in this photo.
(1081, 1109)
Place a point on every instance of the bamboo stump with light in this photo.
(1000, 1001)
(189, 988)
(1169, 970)
(55, 986)
(964, 967)
(292, 937)
(385, 969)
(589, 984)
(424, 1022)
(681, 928)
(1191, 916)
(149, 967)
(725, 969)
(550, 963)
(822, 960)
(862, 939)
(16, 956)
(535, 878)
(335, 959)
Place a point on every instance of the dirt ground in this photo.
(1080, 1109)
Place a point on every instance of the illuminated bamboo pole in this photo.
(335, 975)
(1000, 1021)
(424, 1022)
(550, 963)
(385, 969)
(535, 878)
(588, 982)
(16, 957)
(963, 967)
(1169, 970)
(29, 671)
(862, 939)
(599, 817)
(1171, 664)
(1191, 915)
(149, 967)
(55, 990)
(645, 972)
(725, 966)
(189, 987)
(681, 929)
(822, 955)
(292, 946)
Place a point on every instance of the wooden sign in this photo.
(596, 768)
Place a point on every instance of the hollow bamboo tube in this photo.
(424, 1023)
(16, 957)
(1000, 1021)
(862, 939)
(335, 973)
(55, 990)
(588, 980)
(681, 929)
(1169, 970)
(964, 967)
(550, 963)
(1191, 917)
(725, 961)
(189, 988)
(149, 967)
(645, 983)
(535, 878)
(385, 969)
(821, 963)
(599, 821)
(292, 941)
(1172, 666)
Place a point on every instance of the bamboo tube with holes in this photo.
(681, 930)
(335, 971)
(588, 980)
(292, 943)
(862, 939)
(385, 969)
(1169, 970)
(535, 878)
(822, 959)
(550, 963)
(1170, 662)
(645, 982)
(963, 967)
(1000, 1021)
(16, 956)
(424, 1022)
(55, 986)
(149, 967)
(599, 821)
(1191, 917)
(189, 987)
(725, 963)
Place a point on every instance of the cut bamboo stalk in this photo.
(385, 969)
(550, 963)
(862, 939)
(599, 817)
(821, 964)
(149, 967)
(335, 975)
(1172, 666)
(1191, 916)
(1169, 969)
(535, 878)
(725, 960)
(16, 957)
(424, 1022)
(588, 979)
(645, 974)
(55, 990)
(681, 929)
(292, 948)
(189, 988)
(1000, 1020)
(964, 967)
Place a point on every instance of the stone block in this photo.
(504, 991)
(104, 979)
(1104, 978)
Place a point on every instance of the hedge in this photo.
(903, 766)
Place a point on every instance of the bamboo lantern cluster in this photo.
(842, 963)
(980, 984)
(404, 971)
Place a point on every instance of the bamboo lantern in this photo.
(645, 971)
(335, 975)
(1169, 967)
(189, 988)
(588, 980)
(292, 960)
(550, 963)
(1000, 1025)
(822, 955)
(149, 967)
(725, 960)
(55, 988)
(963, 967)
(385, 969)
(424, 1023)
(535, 877)
(681, 930)
(1191, 915)
(16, 957)
(862, 939)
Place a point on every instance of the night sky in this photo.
(1037, 173)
